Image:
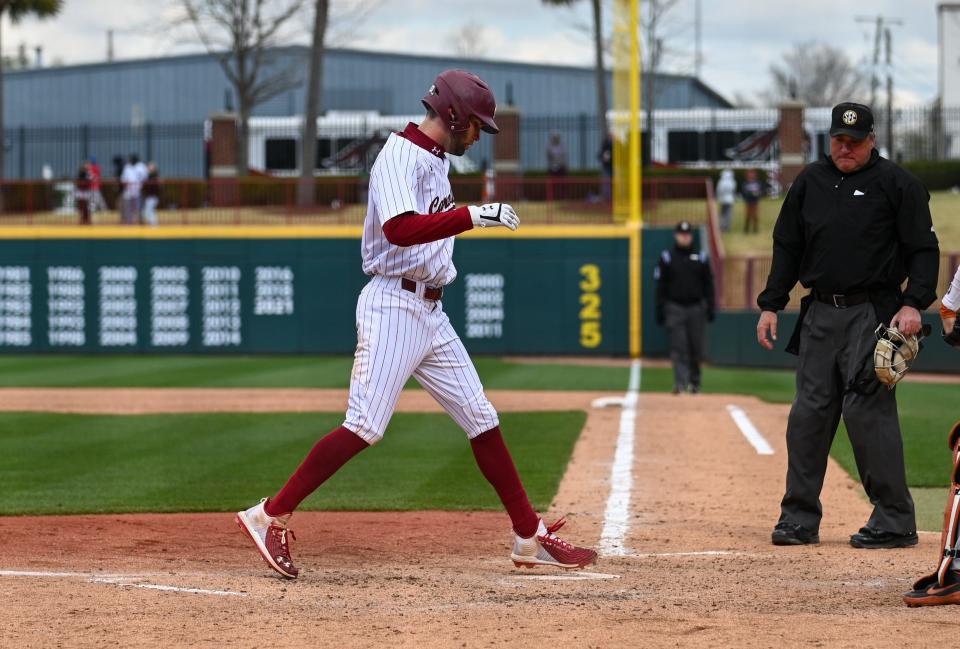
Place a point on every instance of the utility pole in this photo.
(879, 23)
(882, 31)
(698, 38)
(109, 46)
(889, 134)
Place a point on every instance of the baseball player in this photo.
(402, 329)
(942, 586)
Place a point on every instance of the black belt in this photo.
(840, 300)
(428, 292)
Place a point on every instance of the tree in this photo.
(240, 35)
(469, 41)
(308, 144)
(817, 74)
(600, 73)
(17, 10)
(652, 33)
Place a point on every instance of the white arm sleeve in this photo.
(393, 183)
(952, 299)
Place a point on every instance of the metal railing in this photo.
(258, 200)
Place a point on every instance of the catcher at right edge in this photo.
(943, 585)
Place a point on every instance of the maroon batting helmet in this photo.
(467, 95)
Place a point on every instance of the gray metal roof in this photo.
(188, 88)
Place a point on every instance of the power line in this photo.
(882, 31)
(879, 22)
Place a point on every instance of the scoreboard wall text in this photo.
(297, 295)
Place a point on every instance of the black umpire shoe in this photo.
(870, 539)
(792, 534)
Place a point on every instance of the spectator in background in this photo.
(118, 165)
(606, 164)
(151, 194)
(752, 192)
(81, 193)
(131, 179)
(96, 182)
(556, 156)
(726, 193)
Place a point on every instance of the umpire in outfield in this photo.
(852, 229)
(685, 303)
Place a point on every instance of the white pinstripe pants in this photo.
(399, 335)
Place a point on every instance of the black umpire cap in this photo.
(684, 226)
(855, 120)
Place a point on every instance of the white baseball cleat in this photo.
(269, 534)
(545, 548)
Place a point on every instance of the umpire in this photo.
(852, 229)
(685, 303)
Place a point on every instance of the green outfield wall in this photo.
(732, 341)
(182, 292)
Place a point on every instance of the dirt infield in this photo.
(699, 570)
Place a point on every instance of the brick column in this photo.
(506, 155)
(223, 159)
(792, 139)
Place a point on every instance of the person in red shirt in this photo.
(96, 179)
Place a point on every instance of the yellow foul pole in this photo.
(635, 185)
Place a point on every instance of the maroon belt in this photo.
(428, 293)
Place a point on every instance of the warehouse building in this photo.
(157, 107)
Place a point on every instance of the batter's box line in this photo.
(574, 576)
(122, 580)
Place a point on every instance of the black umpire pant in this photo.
(834, 343)
(686, 324)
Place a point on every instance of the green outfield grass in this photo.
(68, 464)
(927, 414)
(926, 410)
(944, 207)
(274, 372)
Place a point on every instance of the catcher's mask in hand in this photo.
(895, 353)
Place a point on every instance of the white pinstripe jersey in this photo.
(408, 178)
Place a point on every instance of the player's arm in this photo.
(919, 244)
(410, 228)
(708, 289)
(788, 245)
(949, 305)
(660, 277)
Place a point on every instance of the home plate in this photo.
(579, 576)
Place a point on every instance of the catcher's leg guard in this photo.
(943, 586)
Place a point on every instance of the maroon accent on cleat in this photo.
(563, 552)
(278, 548)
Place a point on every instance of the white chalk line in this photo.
(127, 581)
(579, 576)
(702, 553)
(177, 589)
(616, 518)
(749, 430)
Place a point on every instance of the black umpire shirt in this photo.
(684, 277)
(867, 231)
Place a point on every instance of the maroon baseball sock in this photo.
(323, 460)
(497, 467)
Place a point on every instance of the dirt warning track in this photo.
(697, 568)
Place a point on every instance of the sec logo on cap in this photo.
(850, 117)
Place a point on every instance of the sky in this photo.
(740, 38)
